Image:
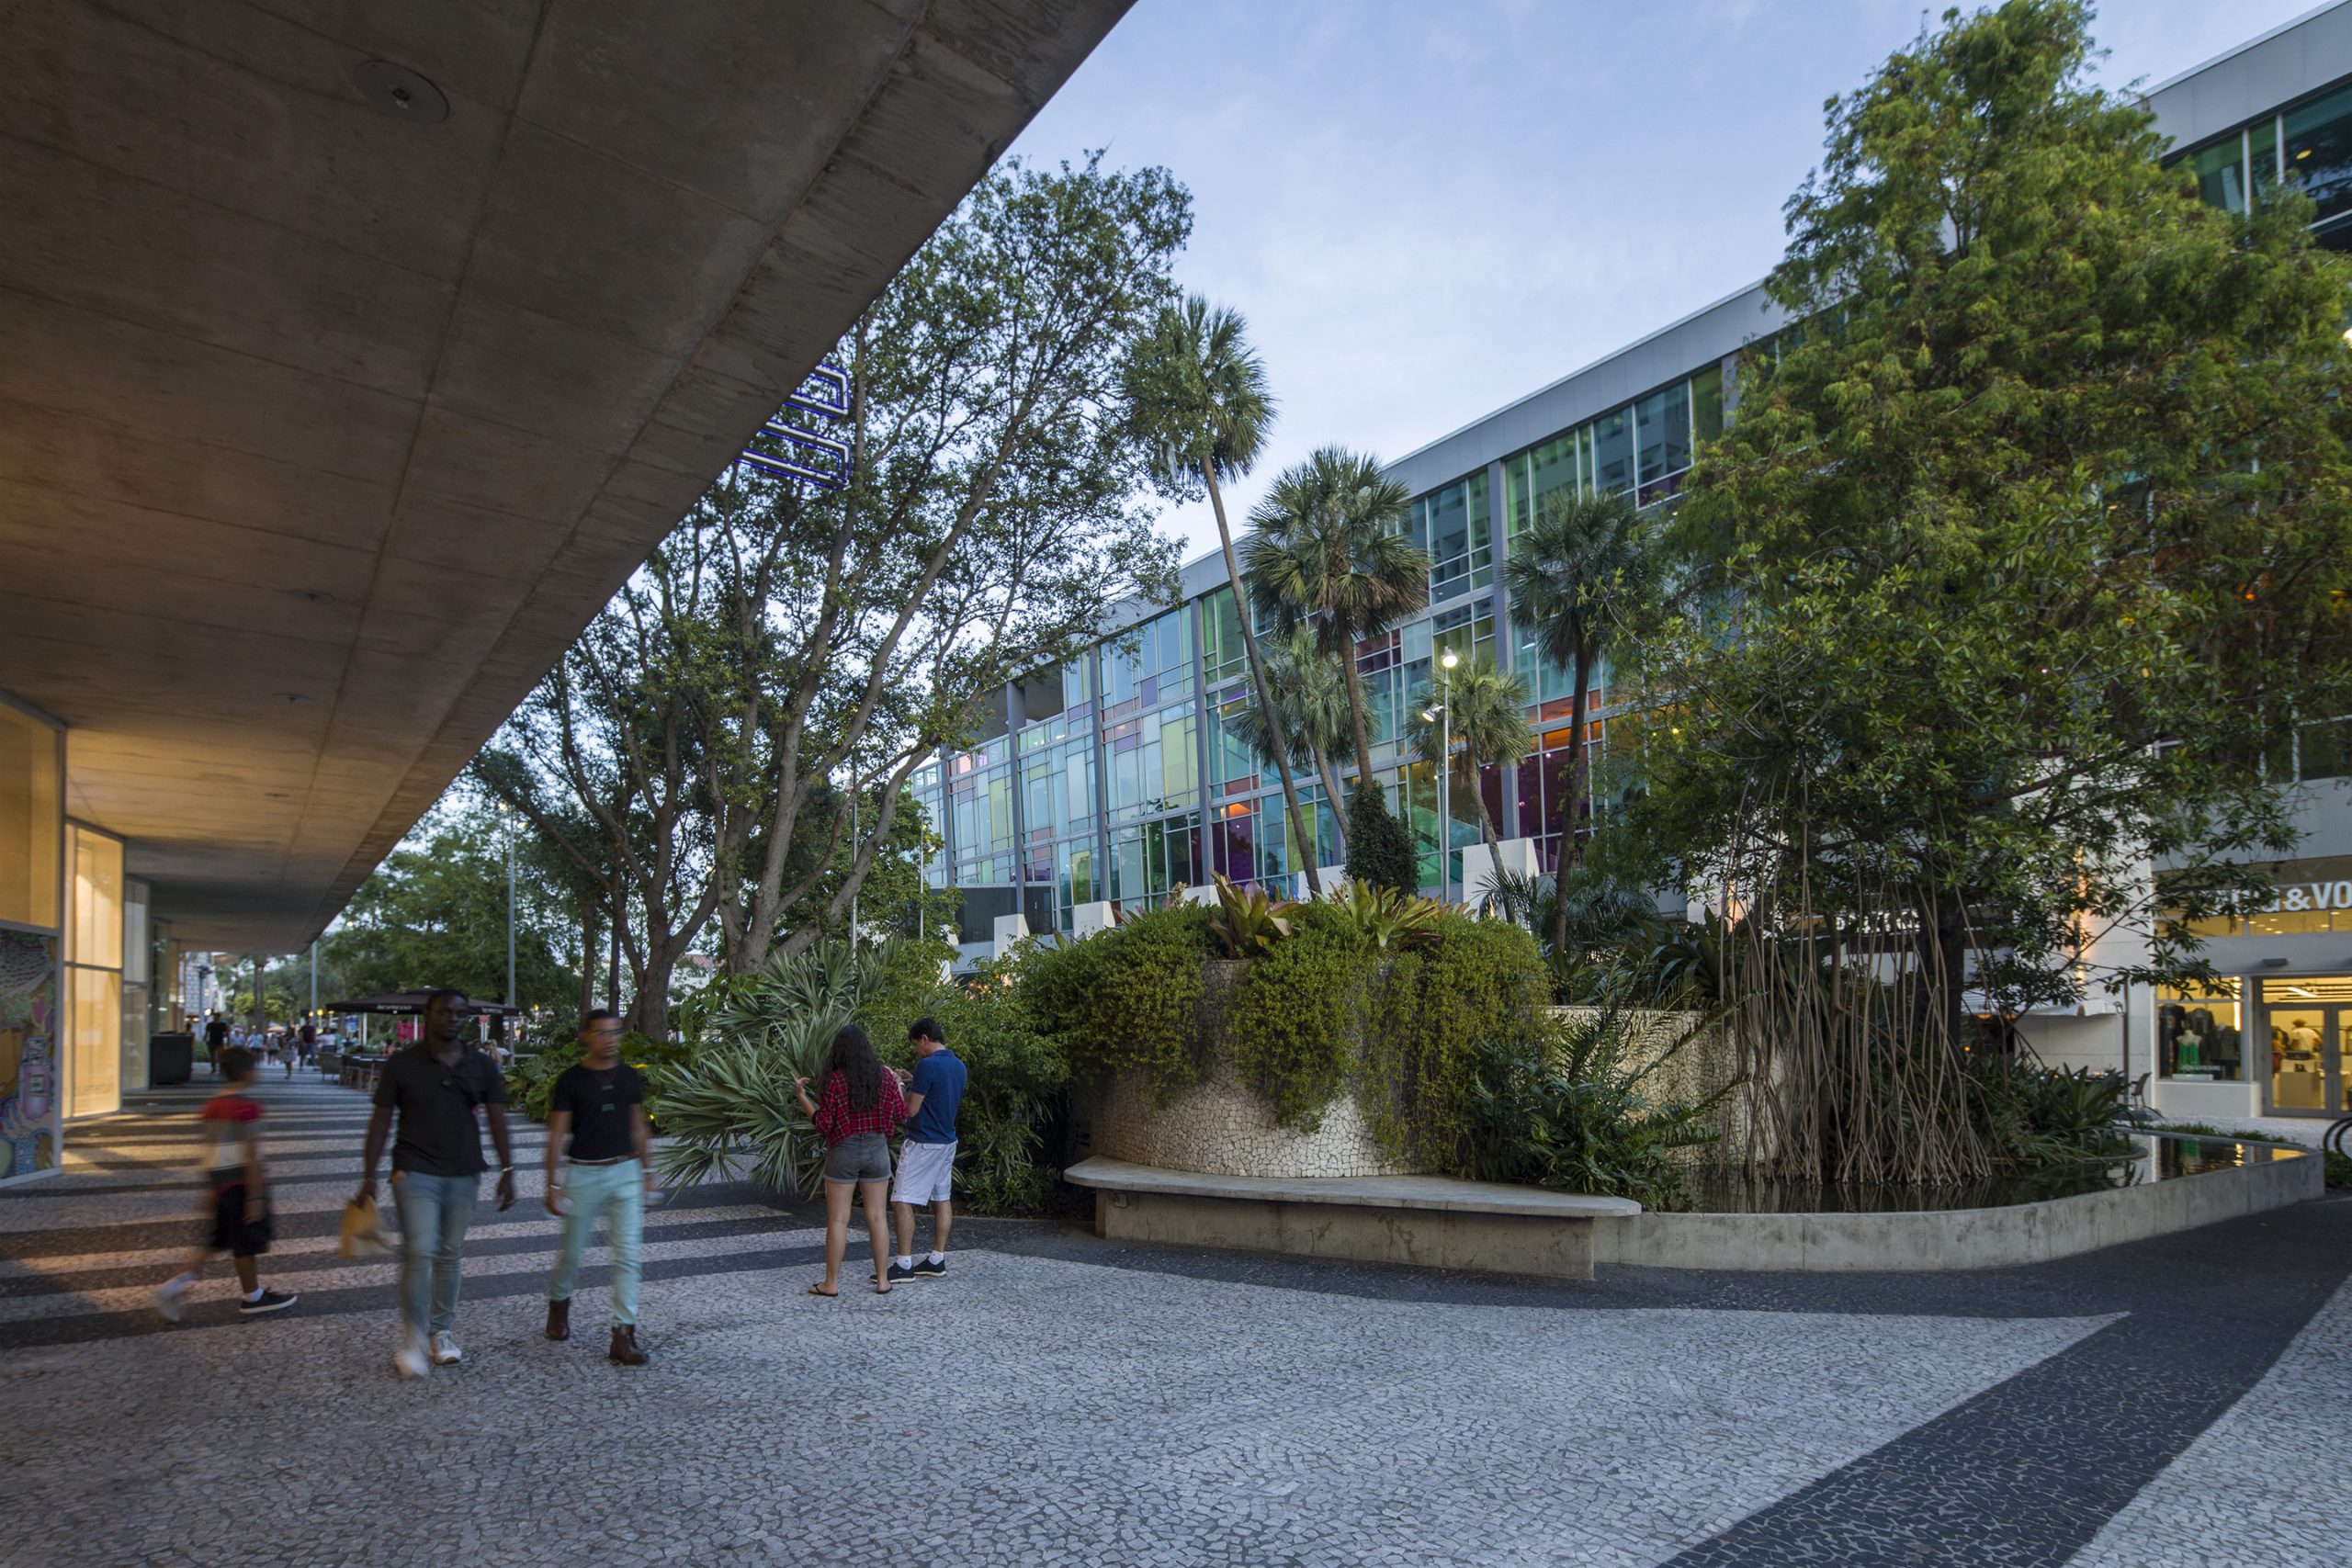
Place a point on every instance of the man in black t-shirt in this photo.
(439, 1086)
(216, 1040)
(600, 1106)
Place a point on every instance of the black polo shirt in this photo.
(437, 1132)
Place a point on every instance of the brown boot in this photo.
(624, 1348)
(559, 1320)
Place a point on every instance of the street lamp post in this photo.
(506, 815)
(1442, 715)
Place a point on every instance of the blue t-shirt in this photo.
(939, 1079)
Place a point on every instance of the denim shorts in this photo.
(863, 1157)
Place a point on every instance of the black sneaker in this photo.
(895, 1274)
(268, 1300)
(925, 1268)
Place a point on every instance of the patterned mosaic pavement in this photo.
(1059, 1399)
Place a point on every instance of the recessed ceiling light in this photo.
(315, 595)
(276, 795)
(291, 697)
(399, 93)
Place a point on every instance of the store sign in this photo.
(2301, 897)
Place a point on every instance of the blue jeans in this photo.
(435, 1212)
(616, 1194)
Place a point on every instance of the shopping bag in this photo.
(363, 1231)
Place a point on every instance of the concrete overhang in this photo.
(322, 431)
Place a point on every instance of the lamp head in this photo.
(1451, 659)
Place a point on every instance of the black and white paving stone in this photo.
(1059, 1399)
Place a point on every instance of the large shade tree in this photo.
(1197, 399)
(2022, 549)
(787, 650)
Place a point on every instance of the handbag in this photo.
(363, 1231)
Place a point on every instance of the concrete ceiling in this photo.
(322, 431)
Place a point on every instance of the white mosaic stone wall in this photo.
(1223, 1129)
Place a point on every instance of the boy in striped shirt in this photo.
(239, 1201)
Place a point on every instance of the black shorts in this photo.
(231, 1233)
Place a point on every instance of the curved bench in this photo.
(1430, 1220)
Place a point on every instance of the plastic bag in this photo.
(363, 1231)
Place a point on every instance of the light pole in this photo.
(507, 817)
(1442, 715)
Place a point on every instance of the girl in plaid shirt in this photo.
(855, 1113)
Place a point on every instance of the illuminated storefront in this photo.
(92, 972)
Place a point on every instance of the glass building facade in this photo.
(1120, 776)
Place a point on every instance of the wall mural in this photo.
(28, 1101)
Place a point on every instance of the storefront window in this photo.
(2199, 1034)
(94, 973)
(2318, 153)
(30, 820)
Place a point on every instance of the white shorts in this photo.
(924, 1172)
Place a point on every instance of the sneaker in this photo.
(925, 1268)
(168, 1304)
(268, 1300)
(896, 1274)
(444, 1349)
(409, 1360)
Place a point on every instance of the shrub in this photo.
(1128, 999)
(1380, 850)
(1566, 1106)
(1294, 1016)
(530, 1080)
(2035, 1116)
(1477, 980)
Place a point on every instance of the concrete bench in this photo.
(1433, 1220)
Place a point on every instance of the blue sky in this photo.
(1429, 209)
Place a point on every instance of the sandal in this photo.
(820, 1291)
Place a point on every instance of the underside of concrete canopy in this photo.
(335, 401)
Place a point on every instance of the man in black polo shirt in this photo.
(600, 1104)
(437, 1085)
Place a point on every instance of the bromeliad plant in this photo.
(1387, 920)
(731, 1111)
(1247, 922)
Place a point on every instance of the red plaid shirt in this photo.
(835, 1119)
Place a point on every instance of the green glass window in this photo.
(1559, 464)
(1453, 528)
(1613, 443)
(2318, 147)
(2221, 173)
(1662, 420)
(1707, 404)
(1222, 650)
(2262, 150)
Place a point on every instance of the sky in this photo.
(1428, 209)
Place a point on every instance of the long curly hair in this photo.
(853, 1058)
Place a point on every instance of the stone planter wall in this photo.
(1223, 1129)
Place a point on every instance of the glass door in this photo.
(2299, 1041)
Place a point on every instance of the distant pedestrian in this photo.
(606, 1172)
(237, 1195)
(310, 1042)
(927, 1159)
(436, 1087)
(855, 1113)
(216, 1040)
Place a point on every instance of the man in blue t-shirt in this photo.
(927, 1159)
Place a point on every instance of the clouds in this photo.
(1428, 211)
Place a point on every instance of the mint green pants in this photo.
(616, 1193)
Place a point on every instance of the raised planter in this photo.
(2273, 1176)
(1223, 1128)
(1432, 1222)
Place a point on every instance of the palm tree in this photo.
(1311, 700)
(1487, 711)
(1197, 398)
(1584, 561)
(1323, 552)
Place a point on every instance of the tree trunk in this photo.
(1334, 801)
(1478, 793)
(612, 970)
(1361, 730)
(588, 934)
(1579, 778)
(1280, 747)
